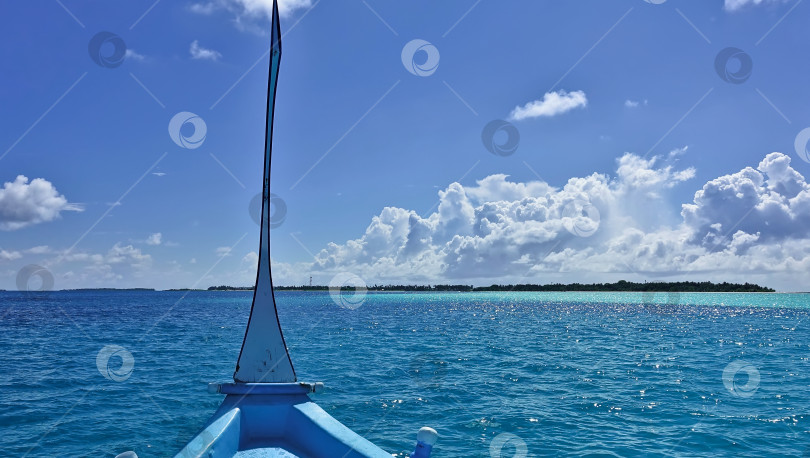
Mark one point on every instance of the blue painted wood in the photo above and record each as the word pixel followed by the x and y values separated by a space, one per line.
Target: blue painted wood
pixel 266 388
pixel 267 423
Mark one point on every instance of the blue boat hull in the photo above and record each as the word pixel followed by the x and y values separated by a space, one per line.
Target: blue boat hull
pixel 259 423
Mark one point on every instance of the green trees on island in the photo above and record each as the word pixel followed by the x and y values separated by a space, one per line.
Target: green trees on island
pixel 619 286
pixel 622 285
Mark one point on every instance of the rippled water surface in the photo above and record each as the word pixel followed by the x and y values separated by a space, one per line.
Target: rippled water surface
pixel 497 374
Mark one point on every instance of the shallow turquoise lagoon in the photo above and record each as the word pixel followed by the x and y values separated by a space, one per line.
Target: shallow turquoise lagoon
pixel 497 374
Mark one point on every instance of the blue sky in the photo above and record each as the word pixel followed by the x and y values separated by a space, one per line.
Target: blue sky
pixel 621 112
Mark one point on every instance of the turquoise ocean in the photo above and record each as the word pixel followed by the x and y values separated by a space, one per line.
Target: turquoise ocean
pixel 97 373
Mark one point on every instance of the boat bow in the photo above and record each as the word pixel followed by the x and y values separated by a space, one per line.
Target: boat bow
pixel 266 412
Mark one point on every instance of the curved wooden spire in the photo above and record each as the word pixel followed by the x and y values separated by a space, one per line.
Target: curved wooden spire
pixel 264 356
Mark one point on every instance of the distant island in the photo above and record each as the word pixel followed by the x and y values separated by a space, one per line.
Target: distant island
pixel 619 286
pixel 232 288
pixel 628 286
pixel 109 289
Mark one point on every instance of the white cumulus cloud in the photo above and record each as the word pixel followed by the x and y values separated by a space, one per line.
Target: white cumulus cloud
pixel 244 9
pixel 748 225
pixel 198 52
pixel 127 254
pixel 285 7
pixel 121 265
pixel 251 259
pixel 155 239
pixel 771 201
pixel 24 204
pixel 552 104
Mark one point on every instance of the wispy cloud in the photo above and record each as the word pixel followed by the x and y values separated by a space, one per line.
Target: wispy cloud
pixel 9 255
pixel 155 239
pixel 119 263
pixel 132 55
pixel 203 8
pixel 198 52
pixel 735 5
pixel 630 103
pixel 552 104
